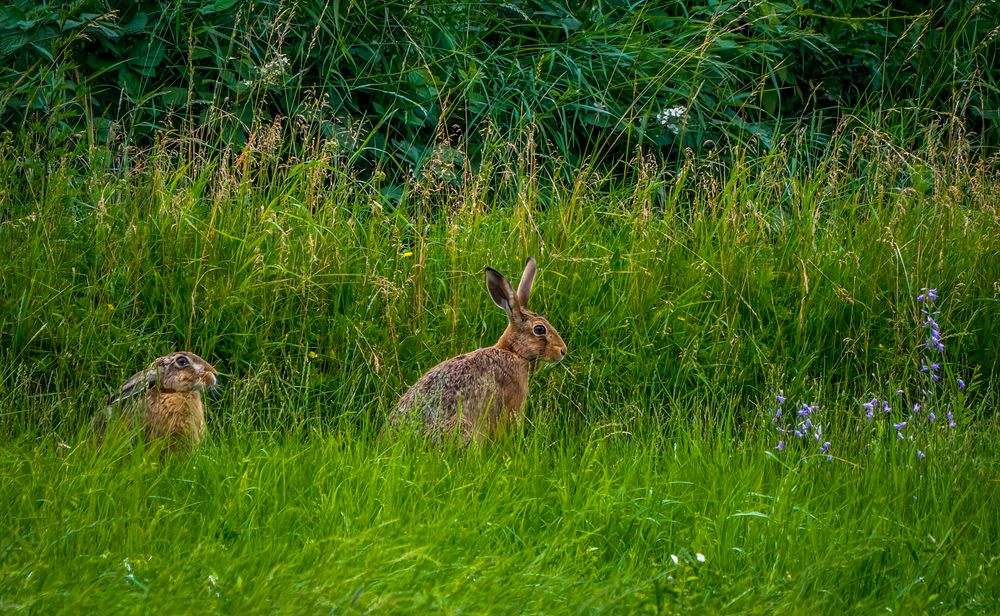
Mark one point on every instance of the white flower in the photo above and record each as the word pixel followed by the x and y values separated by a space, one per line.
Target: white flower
pixel 674 558
pixel 699 557
pixel 672 118
pixel 213 586
pixel 271 73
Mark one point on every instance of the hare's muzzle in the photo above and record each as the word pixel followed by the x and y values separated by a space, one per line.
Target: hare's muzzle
pixel 208 379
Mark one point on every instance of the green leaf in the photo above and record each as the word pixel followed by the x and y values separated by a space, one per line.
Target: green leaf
pixel 137 24
pixel 147 54
pixel 130 83
pixel 174 96
pixel 750 514
pixel 219 6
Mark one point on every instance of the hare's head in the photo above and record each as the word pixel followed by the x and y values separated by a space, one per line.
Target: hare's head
pixel 177 372
pixel 528 334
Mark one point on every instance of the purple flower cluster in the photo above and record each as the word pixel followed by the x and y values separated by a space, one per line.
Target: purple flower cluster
pixel 933 341
pixel 874 402
pixel 931 358
pixel 908 426
pixel 798 428
pixel 803 425
pixel 921 417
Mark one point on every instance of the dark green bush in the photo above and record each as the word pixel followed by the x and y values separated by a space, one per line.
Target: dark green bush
pixel 397 81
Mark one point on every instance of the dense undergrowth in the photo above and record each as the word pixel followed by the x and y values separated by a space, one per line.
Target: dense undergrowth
pixel 400 85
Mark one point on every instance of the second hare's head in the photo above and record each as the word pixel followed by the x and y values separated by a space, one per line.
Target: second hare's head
pixel 178 372
pixel 529 335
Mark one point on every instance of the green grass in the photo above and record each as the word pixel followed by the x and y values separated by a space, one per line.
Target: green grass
pixel 688 296
pixel 544 522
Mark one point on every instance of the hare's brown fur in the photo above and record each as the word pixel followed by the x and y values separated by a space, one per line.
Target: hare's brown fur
pixel 170 409
pixel 178 417
pixel 477 393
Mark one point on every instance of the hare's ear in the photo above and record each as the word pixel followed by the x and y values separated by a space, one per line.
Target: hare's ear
pixel 502 293
pixel 527 278
pixel 139 383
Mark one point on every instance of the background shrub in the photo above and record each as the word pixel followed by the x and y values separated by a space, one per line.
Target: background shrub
pixel 397 84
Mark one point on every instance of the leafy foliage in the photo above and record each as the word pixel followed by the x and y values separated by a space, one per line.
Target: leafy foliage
pixel 410 81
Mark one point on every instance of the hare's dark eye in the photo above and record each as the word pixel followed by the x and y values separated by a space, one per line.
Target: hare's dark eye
pixel 539 330
pixel 183 362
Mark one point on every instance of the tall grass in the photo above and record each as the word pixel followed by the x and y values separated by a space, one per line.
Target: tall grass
pixel 322 300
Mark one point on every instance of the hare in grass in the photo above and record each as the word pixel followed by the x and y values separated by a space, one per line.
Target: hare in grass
pixel 163 401
pixel 474 394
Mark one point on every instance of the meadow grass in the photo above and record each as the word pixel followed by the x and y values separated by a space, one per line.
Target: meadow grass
pixel 689 297
pixel 547 521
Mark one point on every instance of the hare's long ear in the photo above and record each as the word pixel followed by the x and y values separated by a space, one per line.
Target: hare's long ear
pixel 502 294
pixel 139 383
pixel 527 279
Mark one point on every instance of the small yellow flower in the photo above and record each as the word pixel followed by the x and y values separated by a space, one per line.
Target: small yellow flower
pixel 111 307
pixel 313 355
pixel 681 319
pixel 408 253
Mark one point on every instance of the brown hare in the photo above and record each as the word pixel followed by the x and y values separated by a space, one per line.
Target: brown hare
pixel 164 401
pixel 474 394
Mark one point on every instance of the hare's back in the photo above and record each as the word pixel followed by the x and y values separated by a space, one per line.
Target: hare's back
pixel 486 380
